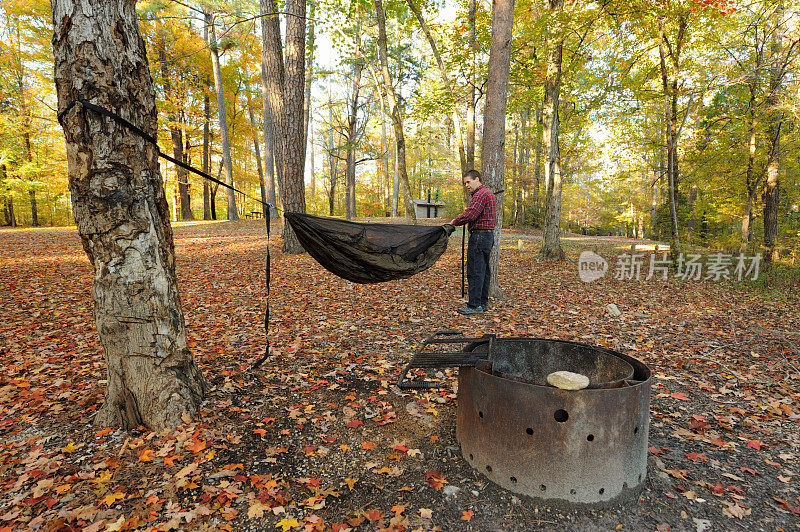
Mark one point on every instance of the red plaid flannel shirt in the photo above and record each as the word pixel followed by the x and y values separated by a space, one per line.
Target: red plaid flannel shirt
pixel 482 211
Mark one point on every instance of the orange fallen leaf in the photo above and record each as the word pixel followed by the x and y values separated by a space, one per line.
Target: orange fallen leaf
pixel 466 515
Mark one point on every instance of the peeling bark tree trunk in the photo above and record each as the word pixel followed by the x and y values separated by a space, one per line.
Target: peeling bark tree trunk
pixel 551 249
pixel 494 122
pixel 122 215
pixel 394 113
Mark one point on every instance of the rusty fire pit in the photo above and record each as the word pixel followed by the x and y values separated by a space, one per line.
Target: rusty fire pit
pixel 585 446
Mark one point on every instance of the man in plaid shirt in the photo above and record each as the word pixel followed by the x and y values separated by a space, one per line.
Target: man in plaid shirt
pixel 480 217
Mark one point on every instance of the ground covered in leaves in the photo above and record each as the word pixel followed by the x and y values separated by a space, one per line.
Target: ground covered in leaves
pixel 319 438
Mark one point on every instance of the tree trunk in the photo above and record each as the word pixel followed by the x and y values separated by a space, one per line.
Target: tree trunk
pixel 775 117
pixel 470 148
pixel 352 120
pixel 494 122
pixel 537 171
pixel 181 174
pixel 551 249
pixel 294 142
pixel 524 154
pixel 309 79
pixel 462 156
pixel 395 113
pixel 223 120
pixel 272 75
pixel 206 158
pixel 206 141
pixel 122 215
pixel 253 125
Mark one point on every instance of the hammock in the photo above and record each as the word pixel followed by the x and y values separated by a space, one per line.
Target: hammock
pixel 370 252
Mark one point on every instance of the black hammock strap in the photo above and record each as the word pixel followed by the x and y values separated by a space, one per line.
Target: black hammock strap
pixel 370 252
pixel 141 133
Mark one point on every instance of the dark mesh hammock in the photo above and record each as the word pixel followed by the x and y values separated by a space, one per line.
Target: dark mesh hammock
pixel 369 252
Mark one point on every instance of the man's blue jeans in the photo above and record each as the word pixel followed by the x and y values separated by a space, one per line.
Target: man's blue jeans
pixel 479 272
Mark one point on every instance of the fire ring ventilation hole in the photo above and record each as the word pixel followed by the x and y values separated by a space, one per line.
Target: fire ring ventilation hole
pixel 561 416
pixel 624 485
pixel 590 437
pixel 529 431
pixel 488 469
pixel 602 490
pixel 480 414
pixel 636 430
pixel 471 457
pixel 513 479
pixel 543 487
pixel 572 492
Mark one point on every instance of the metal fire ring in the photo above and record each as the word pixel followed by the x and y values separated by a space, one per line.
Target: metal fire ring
pixel 576 447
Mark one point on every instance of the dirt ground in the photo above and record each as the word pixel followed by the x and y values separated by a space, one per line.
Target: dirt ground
pixel 320 438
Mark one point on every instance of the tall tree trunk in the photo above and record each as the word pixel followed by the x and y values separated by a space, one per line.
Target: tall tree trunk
pixel 462 156
pixel 470 147
pixel 524 154
pixel 670 90
pixel 206 140
pixel 206 158
pixel 352 122
pixel 223 120
pixel 395 113
pixel 775 117
pixel 294 142
pixel 181 174
pixel 254 126
pixel 122 215
pixel 751 180
pixel 551 249
pixel 494 122
pixel 537 170
pixel 272 73
pixel 310 47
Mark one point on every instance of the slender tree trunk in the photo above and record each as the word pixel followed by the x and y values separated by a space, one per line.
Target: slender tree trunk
pixel 294 142
pixel 181 174
pixel 206 141
pixel 309 79
pixel 462 156
pixel 552 169
pixel 206 158
pixel 470 148
pixel 751 181
pixel 395 113
pixel 775 117
pixel 524 153
pixel 537 170
pixel 256 143
pixel 494 122
pixel 122 216
pixel 223 120
pixel 352 120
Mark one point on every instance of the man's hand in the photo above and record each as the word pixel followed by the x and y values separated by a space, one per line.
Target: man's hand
pixel 449 228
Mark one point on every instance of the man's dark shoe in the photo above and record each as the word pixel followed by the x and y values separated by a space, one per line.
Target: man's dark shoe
pixel 484 308
pixel 467 310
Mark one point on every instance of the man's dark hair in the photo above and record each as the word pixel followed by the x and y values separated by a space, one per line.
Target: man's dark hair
pixel 473 174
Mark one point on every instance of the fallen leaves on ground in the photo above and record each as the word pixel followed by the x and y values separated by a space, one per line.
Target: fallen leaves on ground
pixel 318 438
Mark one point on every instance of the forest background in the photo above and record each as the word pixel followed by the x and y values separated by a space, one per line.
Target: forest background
pixel 697 97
